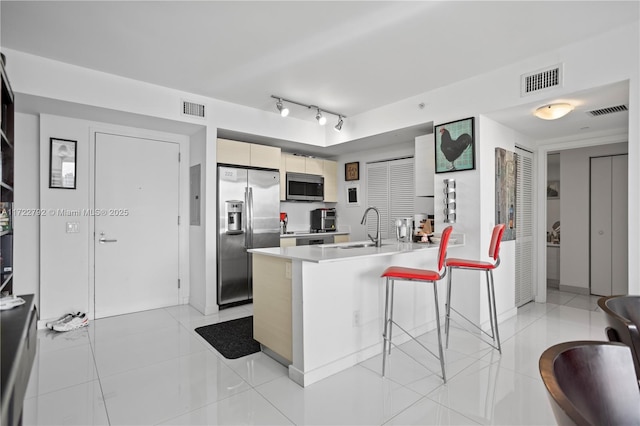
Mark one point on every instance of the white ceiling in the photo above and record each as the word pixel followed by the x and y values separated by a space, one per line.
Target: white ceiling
pixel 348 57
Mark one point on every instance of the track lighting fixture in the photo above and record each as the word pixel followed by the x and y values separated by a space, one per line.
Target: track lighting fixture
pixel 284 111
pixel 322 120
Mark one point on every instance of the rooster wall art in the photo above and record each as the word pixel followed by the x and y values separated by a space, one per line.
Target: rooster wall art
pixel 454 146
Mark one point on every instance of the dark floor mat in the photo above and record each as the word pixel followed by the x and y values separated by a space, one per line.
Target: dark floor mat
pixel 233 339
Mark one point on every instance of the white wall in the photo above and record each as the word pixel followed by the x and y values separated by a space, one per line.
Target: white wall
pixel 66 259
pixel 574 212
pixel 26 247
pixel 197 234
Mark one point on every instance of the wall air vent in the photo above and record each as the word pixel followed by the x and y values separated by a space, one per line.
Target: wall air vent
pixel 536 81
pixel 608 110
pixel 192 109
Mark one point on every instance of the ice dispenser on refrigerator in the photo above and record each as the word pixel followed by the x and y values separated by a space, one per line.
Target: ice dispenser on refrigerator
pixel 234 216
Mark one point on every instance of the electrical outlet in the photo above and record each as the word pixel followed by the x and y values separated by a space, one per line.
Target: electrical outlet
pixel 73 227
pixel 356 319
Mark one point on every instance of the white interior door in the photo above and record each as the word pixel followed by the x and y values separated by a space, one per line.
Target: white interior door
pixel 600 231
pixel 136 224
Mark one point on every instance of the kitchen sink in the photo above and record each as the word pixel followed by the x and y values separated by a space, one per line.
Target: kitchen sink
pixel 358 245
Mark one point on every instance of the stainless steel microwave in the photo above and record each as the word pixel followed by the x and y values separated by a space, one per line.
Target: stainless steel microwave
pixel 305 187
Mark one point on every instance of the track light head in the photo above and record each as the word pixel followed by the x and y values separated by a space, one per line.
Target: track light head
pixel 338 127
pixel 322 120
pixel 284 111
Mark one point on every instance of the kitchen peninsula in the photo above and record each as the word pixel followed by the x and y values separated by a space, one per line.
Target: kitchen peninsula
pixel 319 308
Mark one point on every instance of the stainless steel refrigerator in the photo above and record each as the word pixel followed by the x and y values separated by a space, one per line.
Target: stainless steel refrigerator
pixel 248 217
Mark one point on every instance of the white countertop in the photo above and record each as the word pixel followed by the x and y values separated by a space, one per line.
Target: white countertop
pixel 297 234
pixel 337 252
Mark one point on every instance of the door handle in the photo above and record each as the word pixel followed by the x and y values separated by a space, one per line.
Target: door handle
pixel 103 240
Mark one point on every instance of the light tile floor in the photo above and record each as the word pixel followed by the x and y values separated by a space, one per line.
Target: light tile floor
pixel 152 368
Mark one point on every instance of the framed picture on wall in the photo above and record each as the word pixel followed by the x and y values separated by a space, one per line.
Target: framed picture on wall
pixel 353 194
pixel 352 171
pixel 455 146
pixel 62 163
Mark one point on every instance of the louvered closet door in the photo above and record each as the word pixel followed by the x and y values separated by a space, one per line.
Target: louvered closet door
pixel 524 227
pixel 401 191
pixel 390 188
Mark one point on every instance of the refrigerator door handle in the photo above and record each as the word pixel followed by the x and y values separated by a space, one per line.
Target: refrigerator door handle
pixel 246 219
pixel 250 218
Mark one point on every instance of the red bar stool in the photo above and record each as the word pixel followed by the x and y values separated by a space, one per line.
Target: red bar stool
pixel 394 273
pixel 487 267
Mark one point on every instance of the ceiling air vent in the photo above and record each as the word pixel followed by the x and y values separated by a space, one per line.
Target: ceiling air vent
pixel 540 80
pixel 192 109
pixel 608 110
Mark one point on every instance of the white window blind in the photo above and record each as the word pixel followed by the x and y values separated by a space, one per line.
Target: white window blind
pixel 524 228
pixel 390 188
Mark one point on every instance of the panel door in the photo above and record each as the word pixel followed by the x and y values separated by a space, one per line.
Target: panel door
pixel 600 227
pixel 136 232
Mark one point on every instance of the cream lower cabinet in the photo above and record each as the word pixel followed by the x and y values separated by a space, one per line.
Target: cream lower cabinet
pixel 287 242
pixel 272 304
pixel 247 154
pixel 341 238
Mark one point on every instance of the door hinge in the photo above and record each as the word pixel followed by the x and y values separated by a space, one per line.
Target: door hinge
pixel 179 157
pixel 178 282
pixel 178 220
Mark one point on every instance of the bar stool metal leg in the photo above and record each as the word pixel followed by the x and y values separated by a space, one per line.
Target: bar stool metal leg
pixel 448 308
pixel 491 311
pixel 495 314
pixel 393 289
pixel 435 298
pixel 386 327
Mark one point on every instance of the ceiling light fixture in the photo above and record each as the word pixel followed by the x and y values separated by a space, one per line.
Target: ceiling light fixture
pixel 320 112
pixel 322 120
pixel 553 111
pixel 284 111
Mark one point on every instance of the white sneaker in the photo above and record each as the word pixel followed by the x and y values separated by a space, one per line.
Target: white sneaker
pixel 62 319
pixel 74 323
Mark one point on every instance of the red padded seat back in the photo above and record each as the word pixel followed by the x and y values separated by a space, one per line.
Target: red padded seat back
pixel 444 242
pixel 496 239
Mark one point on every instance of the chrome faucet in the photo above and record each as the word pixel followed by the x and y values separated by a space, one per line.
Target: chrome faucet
pixel 377 239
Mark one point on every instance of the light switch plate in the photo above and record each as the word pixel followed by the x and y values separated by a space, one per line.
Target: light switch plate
pixel 73 227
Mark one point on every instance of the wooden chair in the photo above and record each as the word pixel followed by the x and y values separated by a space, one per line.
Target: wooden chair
pixel 591 383
pixel 623 317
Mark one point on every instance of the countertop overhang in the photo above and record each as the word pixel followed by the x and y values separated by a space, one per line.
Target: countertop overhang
pixel 323 253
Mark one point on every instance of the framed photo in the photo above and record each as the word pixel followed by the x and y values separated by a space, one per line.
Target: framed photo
pixel 62 163
pixel 353 195
pixel 553 189
pixel 455 146
pixel 352 171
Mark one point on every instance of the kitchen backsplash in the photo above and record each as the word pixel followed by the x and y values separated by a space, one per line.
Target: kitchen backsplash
pixel 299 214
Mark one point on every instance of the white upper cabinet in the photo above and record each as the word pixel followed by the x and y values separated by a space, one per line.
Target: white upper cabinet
pixel 247 154
pixel 424 169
